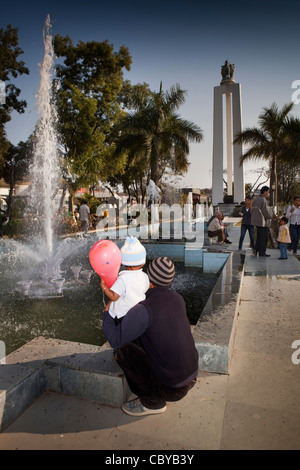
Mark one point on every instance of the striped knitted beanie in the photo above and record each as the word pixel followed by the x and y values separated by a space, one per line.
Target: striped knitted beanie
pixel 161 271
pixel 132 252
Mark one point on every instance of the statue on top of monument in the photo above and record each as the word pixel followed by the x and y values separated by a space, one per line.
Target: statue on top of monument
pixel 227 71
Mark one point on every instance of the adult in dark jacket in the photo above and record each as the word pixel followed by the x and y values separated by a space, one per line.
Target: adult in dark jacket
pixel 260 217
pixel 246 223
pixel 155 346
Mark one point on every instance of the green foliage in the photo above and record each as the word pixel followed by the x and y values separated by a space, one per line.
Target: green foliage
pixel 275 140
pixel 64 222
pixel 10 67
pixel 90 79
pixel 27 225
pixel 17 161
pixel 153 137
pixel 92 201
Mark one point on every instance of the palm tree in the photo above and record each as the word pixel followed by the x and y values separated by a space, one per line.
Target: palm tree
pixel 156 133
pixel 268 141
pixel 291 135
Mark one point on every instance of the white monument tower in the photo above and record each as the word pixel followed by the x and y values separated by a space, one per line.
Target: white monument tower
pixel 233 125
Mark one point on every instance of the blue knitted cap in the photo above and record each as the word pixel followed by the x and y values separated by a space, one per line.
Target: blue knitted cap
pixel 132 252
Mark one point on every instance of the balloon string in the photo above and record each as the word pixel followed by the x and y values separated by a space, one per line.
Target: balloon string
pixel 103 298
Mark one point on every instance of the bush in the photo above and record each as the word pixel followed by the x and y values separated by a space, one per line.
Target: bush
pixel 64 222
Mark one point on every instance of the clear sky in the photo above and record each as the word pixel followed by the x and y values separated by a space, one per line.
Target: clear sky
pixel 172 41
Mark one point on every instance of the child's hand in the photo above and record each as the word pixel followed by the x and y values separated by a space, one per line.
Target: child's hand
pixel 102 284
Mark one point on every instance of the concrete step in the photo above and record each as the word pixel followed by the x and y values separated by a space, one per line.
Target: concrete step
pixel 81 370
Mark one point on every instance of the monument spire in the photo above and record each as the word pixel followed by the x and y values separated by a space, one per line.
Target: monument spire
pixel 232 126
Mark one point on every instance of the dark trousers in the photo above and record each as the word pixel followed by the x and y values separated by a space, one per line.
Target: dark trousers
pixel 244 229
pixel 261 240
pixel 217 233
pixel 295 235
pixel 154 395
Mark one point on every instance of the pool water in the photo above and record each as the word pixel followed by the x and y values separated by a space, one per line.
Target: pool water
pixel 76 315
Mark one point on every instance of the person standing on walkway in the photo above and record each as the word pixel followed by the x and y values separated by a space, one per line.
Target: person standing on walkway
pixel 84 212
pixel 260 218
pixel 163 366
pixel 246 223
pixel 283 237
pixel 293 214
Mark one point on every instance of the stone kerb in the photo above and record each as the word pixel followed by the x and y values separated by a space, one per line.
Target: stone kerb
pixel 214 332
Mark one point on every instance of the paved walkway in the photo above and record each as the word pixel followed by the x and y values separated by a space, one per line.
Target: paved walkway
pixel 257 406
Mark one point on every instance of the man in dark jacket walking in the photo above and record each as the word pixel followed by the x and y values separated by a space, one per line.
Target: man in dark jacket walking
pixel 260 218
pixel 246 223
pixel 155 346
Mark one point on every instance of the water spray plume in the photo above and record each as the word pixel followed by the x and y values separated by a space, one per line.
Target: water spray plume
pixel 45 167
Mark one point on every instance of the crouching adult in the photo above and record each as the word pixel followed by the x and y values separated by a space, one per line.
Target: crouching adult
pixel 154 345
pixel 216 228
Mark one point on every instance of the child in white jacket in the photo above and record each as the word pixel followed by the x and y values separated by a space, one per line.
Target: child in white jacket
pixel 132 283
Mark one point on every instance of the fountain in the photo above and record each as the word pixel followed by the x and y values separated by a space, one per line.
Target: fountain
pixel 87 274
pixel 76 270
pixel 45 170
pixel 45 176
pixel 58 284
pixel 24 286
pixel 39 295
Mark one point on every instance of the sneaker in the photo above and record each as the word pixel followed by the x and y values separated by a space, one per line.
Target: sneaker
pixel 228 241
pixel 135 408
pixel 264 256
pixel 282 258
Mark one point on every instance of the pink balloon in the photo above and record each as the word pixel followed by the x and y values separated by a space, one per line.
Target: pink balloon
pixel 105 259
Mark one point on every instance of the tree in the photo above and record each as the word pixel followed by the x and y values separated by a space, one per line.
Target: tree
pixel 10 67
pixel 87 86
pixel 268 141
pixel 155 135
pixel 289 162
pixel 15 168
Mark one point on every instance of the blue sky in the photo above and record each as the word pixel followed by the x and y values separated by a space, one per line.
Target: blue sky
pixel 173 41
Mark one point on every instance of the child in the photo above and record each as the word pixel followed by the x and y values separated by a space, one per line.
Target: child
pixel 131 284
pixel 283 237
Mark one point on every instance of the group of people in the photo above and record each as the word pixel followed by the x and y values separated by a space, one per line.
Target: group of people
pixel 147 325
pixel 258 214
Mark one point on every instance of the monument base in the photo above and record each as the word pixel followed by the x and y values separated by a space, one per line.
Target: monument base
pixel 226 209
